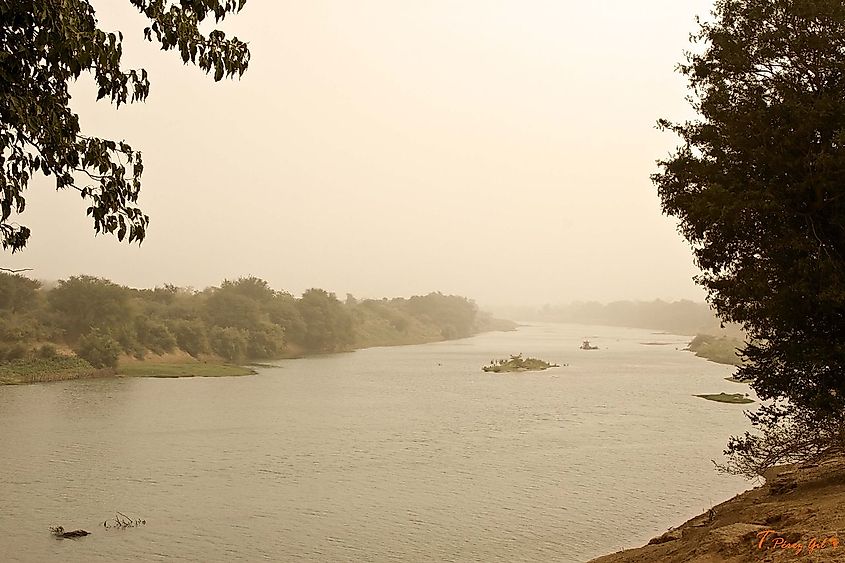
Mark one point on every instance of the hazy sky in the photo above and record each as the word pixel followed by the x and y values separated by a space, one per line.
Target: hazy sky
pixel 495 149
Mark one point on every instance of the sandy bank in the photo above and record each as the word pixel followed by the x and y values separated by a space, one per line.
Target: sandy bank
pixel 798 515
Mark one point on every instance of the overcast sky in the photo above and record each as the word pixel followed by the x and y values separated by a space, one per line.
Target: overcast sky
pixel 495 149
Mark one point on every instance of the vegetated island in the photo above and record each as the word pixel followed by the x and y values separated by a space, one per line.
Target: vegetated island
pixel 516 364
pixel 85 327
pixel 719 349
pixel 799 505
pixel 733 398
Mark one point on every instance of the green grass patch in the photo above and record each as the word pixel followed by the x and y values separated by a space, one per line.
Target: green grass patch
pixel 517 363
pixel 719 349
pixel 733 379
pixel 36 370
pixel 183 369
pixel 733 398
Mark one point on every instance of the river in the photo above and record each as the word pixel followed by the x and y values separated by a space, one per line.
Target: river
pixel 409 453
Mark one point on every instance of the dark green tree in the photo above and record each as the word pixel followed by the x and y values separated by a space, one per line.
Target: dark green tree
pixel 45 45
pixel 17 292
pixel 83 303
pixel 328 325
pixel 99 349
pixel 758 186
pixel 191 336
pixel 246 304
pixel 230 343
pixel 454 314
pixel 154 335
pixel 284 311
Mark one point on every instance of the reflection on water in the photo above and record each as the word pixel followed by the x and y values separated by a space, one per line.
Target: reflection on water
pixel 387 454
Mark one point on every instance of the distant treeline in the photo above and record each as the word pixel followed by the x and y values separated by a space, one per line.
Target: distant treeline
pixel 241 320
pixel 678 317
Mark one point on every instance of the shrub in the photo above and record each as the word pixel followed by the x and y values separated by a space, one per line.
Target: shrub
pixel 229 343
pixel 191 337
pixel 47 352
pixel 154 335
pixel 15 351
pixel 266 341
pixel 784 434
pixel 99 349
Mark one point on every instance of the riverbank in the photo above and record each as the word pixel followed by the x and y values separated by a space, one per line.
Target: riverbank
pixel 795 516
pixel 40 370
pixel 64 368
pixel 192 369
pixel 178 364
pixel 718 349
pixel 372 423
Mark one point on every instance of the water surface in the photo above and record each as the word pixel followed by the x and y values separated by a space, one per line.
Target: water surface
pixel 386 454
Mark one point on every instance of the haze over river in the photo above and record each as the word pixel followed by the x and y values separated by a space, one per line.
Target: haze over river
pixel 387 454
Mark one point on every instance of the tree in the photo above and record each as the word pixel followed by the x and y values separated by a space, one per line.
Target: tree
pixel 284 311
pixel 191 336
pixel 17 292
pixel 99 349
pixel 85 303
pixel 230 343
pixel 46 44
pixel 454 315
pixel 328 325
pixel 758 185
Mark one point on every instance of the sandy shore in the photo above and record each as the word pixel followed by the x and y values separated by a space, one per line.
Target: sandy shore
pixel 798 515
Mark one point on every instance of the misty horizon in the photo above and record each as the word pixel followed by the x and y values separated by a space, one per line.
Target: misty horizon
pixel 380 150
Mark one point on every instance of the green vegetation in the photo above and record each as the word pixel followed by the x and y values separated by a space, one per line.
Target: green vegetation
pixel 756 185
pixel 54 44
pixel 36 369
pixel 192 369
pixel 719 349
pixel 241 321
pixel 733 398
pixel 517 363
pixel 734 379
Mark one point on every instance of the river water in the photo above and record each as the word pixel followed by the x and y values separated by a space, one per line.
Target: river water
pixel 386 454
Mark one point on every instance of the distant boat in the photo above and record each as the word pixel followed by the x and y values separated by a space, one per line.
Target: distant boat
pixel 587 346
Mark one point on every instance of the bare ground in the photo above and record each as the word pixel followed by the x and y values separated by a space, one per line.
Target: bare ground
pixel 798 515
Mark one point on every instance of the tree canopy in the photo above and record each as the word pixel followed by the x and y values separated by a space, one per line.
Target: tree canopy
pixel 47 44
pixel 241 319
pixel 758 185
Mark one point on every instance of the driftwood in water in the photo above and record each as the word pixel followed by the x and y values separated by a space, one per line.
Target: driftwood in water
pixel 121 520
pixel 59 532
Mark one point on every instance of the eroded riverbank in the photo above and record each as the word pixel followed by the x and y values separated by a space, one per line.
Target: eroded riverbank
pixel 795 516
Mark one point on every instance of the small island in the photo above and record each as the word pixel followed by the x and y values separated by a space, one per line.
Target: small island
pixel 733 398
pixel 518 363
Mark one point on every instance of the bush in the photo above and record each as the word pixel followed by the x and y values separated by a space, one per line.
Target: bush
pixel 230 343
pixel 266 341
pixel 784 434
pixel 99 349
pixel 154 335
pixel 191 337
pixel 10 352
pixel 47 352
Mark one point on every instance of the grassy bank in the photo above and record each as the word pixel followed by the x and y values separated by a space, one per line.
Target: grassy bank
pixel 66 367
pixel 183 369
pixel 38 370
pixel 732 398
pixel 719 349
